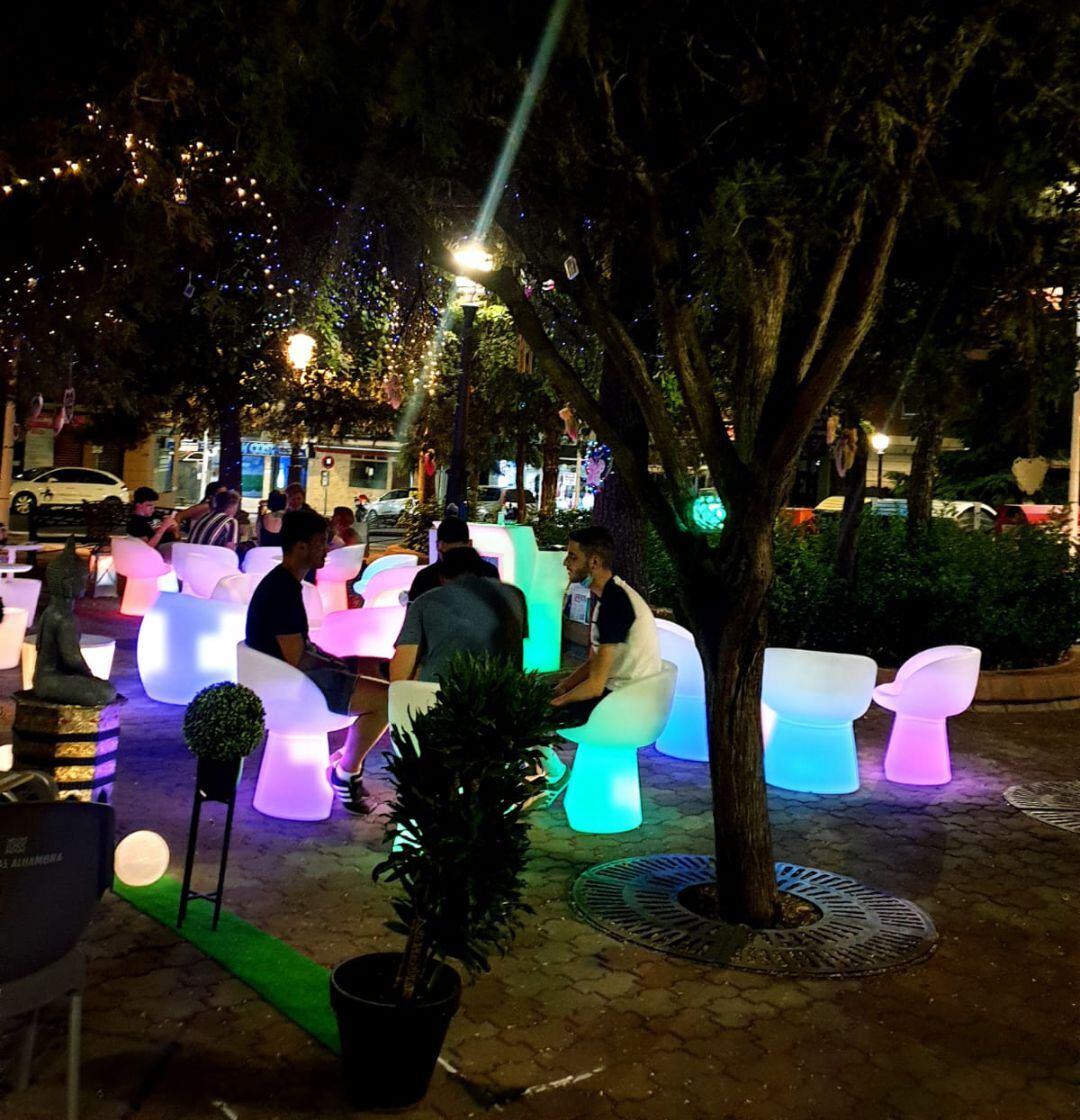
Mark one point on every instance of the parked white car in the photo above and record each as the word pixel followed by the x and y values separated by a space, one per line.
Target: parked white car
pixel 63 486
pixel 387 509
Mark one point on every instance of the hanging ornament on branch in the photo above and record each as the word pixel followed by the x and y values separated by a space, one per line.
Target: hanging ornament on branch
pixel 847 443
pixel 37 403
pixel 570 423
pixel 597 466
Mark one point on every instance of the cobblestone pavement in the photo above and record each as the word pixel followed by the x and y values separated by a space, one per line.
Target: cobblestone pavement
pixel 987 1027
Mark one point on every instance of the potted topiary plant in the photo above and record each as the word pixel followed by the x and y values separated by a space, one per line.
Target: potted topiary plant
pixel 461 780
pixel 222 726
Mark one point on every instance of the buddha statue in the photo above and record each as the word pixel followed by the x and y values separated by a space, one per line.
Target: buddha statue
pixel 61 676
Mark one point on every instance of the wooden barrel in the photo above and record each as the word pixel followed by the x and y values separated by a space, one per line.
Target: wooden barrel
pixel 76 746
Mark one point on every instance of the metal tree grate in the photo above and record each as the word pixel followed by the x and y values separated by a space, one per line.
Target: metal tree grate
pixel 861 930
pixel 1054 803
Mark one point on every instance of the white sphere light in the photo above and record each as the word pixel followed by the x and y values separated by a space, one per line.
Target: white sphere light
pixel 141 858
pixel 879 441
pixel 301 350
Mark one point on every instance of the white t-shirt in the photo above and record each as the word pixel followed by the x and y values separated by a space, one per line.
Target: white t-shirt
pixel 621 618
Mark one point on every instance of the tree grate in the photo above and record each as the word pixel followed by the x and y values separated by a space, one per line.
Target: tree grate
pixel 1053 803
pixel 861 930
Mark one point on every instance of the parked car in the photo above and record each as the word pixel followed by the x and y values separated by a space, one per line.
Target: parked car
pixel 1011 516
pixel 967 514
pixel 490 499
pixel 63 486
pixel 387 509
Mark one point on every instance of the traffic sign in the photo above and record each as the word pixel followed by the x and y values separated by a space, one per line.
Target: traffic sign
pixel 324 478
pixel 327 461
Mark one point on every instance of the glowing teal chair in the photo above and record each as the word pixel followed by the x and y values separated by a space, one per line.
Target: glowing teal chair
pixel 604 794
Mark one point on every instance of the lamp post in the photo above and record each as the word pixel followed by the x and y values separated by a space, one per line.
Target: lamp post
pixel 301 349
pixel 879 441
pixel 473 257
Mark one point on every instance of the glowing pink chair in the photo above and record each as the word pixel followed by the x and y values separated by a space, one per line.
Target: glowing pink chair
pixel 341 568
pixel 261 560
pixel 236 587
pixel 370 632
pixel 929 687
pixel 386 588
pixel 292 783
pixel 200 566
pixel 146 572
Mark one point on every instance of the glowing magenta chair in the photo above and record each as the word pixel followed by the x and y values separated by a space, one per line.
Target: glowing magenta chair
pixel 929 687
pixel 292 783
pixel 370 632
pixel 200 566
pixel 186 644
pixel 385 588
pixel 340 569
pixel 385 564
pixel 146 572
pixel 816 697
pixel 686 735
pixel 604 794
pixel 261 560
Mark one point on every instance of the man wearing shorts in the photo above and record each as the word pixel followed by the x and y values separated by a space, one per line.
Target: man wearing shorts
pixel 277 626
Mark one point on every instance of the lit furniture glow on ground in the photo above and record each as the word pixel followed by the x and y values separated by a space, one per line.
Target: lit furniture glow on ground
pixel 370 632
pixel 292 783
pixel 200 566
pixel 96 649
pixel 686 735
pixel 929 687
pixel 186 644
pixel 816 697
pixel 333 578
pixel 261 560
pixel 604 794
pixel 12 633
pixel 146 572
pixel 385 564
pixel 23 593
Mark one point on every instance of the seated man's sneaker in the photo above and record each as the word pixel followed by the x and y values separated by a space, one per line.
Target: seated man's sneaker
pixel 550 792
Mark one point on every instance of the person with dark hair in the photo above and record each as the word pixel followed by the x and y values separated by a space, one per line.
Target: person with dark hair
pixel 220 526
pixel 341 528
pixel 296 498
pixel 624 645
pixel 468 613
pixel 141 522
pixel 277 626
pixel 268 529
pixel 201 509
pixel 451 536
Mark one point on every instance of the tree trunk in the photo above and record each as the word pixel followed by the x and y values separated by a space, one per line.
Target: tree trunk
pixel 229 457
pixel 730 630
pixel 920 487
pixel 296 470
pixel 851 518
pixel 549 479
pixel 615 507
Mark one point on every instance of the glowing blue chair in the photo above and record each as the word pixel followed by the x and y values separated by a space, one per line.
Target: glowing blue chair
pixel 604 794
pixel 816 696
pixel 383 564
pixel 686 735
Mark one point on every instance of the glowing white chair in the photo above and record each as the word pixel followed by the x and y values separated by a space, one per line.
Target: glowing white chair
pixel 261 560
pixel 686 735
pixel 384 564
pixel 604 794
pixel 370 632
pixel 12 633
pixel 237 587
pixel 929 687
pixel 293 783
pixel 333 578
pixel 23 593
pixel 146 572
pixel 816 696
pixel 313 606
pixel 386 587
pixel 200 566
pixel 186 644
pixel 407 699
pixel 96 649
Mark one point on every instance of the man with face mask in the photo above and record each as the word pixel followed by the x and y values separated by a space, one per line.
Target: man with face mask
pixel 623 646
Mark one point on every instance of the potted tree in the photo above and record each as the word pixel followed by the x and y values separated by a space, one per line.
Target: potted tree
pixel 222 726
pixel 461 781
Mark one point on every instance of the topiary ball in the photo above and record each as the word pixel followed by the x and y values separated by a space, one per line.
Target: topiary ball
pixel 224 722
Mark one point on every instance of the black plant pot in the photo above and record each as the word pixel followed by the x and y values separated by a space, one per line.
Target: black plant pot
pixel 388 1050
pixel 217 779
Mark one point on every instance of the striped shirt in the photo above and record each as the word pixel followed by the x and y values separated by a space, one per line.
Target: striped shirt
pixel 215 528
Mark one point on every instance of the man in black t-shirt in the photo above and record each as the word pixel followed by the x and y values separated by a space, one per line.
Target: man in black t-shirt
pixel 277 626
pixel 453 533
pixel 141 522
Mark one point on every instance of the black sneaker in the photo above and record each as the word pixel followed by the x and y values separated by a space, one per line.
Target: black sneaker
pixel 342 787
pixel 359 802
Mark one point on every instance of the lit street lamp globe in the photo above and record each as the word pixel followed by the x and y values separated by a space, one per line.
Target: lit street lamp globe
pixel 879 441
pixel 301 350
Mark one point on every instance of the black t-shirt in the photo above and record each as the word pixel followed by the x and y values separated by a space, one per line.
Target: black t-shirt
pixel 140 526
pixel 427 579
pixel 277 607
pixel 613 617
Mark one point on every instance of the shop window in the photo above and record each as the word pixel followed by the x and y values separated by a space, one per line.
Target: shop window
pixel 368 474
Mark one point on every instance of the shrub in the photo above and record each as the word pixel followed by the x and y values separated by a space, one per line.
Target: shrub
pixel 224 722
pixel 552 529
pixel 1016 596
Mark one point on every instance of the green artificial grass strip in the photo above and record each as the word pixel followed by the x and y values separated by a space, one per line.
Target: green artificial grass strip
pixel 298 987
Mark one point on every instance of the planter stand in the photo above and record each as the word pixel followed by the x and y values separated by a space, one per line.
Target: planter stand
pixel 214 781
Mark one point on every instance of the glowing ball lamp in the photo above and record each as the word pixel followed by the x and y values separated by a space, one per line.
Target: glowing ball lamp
pixel 816 696
pixel 141 858
pixel 604 794
pixel 708 513
pixel 929 687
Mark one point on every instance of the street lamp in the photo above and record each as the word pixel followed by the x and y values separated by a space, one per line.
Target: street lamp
pixel 301 350
pixel 879 441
